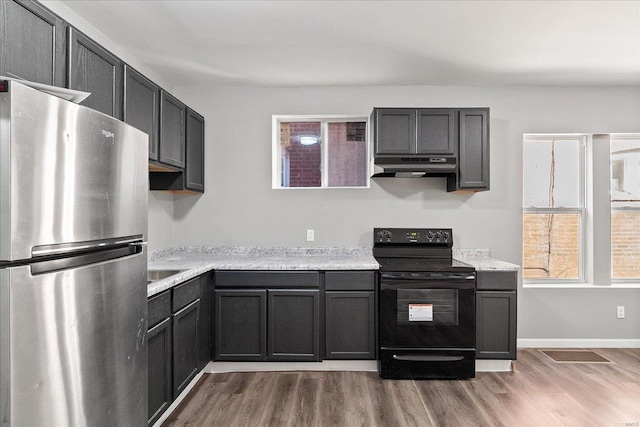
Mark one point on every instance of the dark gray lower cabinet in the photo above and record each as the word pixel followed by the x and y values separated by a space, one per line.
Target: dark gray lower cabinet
pixel 205 329
pixel 350 325
pixel 293 322
pixel 496 325
pixel 350 315
pixel 185 346
pixel 159 346
pixel 241 324
pixel 159 374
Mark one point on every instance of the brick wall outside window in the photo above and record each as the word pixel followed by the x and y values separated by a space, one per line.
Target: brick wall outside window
pixel 347 157
pixel 551 245
pixel 305 160
pixel 625 245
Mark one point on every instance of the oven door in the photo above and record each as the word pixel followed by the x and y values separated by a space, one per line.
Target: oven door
pixel 427 310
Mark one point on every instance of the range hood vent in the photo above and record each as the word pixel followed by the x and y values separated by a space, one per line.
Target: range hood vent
pixel 413 167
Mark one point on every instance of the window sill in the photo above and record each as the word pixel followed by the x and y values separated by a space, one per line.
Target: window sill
pixel 580 286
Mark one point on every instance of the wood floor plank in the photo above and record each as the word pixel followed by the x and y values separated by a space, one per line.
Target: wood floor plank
pixel 540 392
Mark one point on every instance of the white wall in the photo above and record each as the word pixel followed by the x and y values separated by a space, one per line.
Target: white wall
pixel 240 208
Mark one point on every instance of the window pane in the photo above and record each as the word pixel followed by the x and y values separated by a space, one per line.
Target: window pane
pixel 347 154
pixel 625 172
pixel 552 173
pixel 301 154
pixel 551 245
pixel 625 244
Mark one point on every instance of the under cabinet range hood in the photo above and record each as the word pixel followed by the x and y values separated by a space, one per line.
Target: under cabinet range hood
pixel 413 167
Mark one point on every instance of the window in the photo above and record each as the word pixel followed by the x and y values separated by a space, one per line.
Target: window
pixel 553 208
pixel 320 152
pixel 625 207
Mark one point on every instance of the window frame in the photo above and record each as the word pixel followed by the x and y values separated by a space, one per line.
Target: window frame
pixel 582 210
pixel 631 280
pixel 324 120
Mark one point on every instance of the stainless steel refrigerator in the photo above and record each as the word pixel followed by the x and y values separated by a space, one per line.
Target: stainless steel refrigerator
pixel 73 264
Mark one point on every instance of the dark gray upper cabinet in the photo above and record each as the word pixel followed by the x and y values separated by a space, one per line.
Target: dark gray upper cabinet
pixel 91 68
pixel 436 131
pixel 194 168
pixel 496 309
pixel 410 131
pixel 172 130
pixel 474 150
pixel 32 46
pixel 142 106
pixel 293 322
pixel 395 130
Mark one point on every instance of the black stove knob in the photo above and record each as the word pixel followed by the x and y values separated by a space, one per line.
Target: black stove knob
pixel 439 234
pixel 430 235
pixel 384 234
pixel 446 234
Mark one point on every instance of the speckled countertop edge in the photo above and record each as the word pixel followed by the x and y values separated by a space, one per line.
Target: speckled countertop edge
pixel 196 260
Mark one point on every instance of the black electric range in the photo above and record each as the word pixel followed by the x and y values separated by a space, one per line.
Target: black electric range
pixel 426 316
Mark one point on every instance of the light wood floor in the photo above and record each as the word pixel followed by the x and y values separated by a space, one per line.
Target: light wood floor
pixel 540 392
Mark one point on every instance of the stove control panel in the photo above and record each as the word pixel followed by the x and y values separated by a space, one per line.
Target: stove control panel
pixel 413 236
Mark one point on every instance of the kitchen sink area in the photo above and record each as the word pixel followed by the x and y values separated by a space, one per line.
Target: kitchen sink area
pixel 155 275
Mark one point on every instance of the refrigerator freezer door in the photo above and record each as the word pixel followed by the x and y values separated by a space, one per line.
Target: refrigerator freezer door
pixel 73 345
pixel 67 174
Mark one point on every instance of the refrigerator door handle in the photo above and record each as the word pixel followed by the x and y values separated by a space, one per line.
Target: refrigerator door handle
pixel 65 249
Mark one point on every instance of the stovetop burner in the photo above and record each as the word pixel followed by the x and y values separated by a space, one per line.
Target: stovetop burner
pixel 423 264
pixel 416 249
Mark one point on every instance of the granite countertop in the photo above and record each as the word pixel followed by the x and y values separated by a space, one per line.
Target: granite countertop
pixel 196 260
pixel 481 260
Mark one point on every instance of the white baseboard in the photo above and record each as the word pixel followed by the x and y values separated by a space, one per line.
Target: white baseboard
pixel 577 343
pixel 327 365
pixel 484 365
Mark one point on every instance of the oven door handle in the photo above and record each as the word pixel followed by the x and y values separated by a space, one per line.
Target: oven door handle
pixel 427 358
pixel 428 277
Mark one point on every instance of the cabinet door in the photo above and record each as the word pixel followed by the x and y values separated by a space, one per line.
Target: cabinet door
pixel 240 325
pixel 205 331
pixel 159 374
pixel 436 131
pixel 194 168
pixel 172 136
pixel 474 149
pixel 185 346
pixel 350 325
pixel 294 322
pixel 395 131
pixel 495 325
pixel 91 68
pixel 32 43
pixel 141 106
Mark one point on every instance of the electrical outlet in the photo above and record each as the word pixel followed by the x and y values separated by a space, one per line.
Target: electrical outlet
pixel 310 235
pixel 620 310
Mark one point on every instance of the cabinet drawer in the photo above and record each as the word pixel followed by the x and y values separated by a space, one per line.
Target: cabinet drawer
pixel 159 307
pixel 186 293
pixel 497 280
pixel 267 279
pixel 349 280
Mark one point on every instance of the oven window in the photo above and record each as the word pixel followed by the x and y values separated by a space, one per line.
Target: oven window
pixel 427 306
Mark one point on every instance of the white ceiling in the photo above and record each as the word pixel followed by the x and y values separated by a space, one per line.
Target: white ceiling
pixel 334 43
